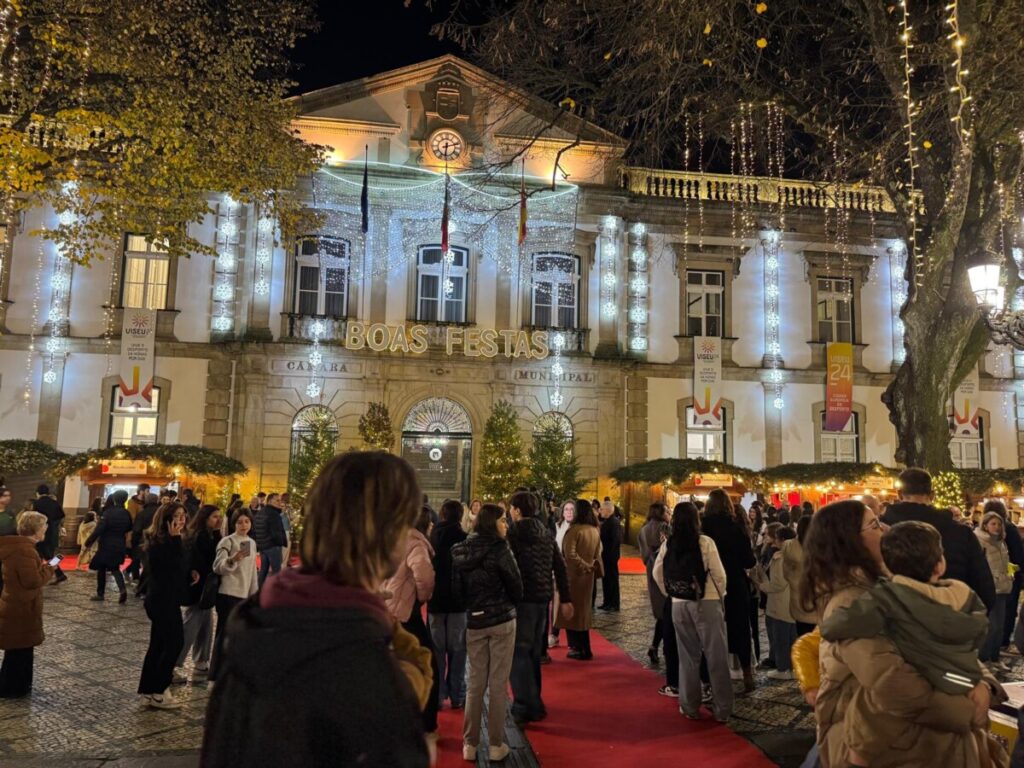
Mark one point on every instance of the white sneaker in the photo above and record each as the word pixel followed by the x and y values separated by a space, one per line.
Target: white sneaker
pixel 469 753
pixel 163 701
pixel 552 641
pixel 200 673
pixel 498 753
pixel 178 678
pixel 775 674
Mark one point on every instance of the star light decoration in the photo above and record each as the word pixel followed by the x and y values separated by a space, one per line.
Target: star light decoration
pixel 771 247
pixel 226 264
pixel 405 207
pixel 638 289
pixel 264 254
pixel 609 250
pixel 316 359
pixel 556 398
pixel 60 298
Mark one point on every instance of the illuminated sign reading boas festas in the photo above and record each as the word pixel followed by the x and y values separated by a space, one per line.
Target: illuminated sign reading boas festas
pixel 470 342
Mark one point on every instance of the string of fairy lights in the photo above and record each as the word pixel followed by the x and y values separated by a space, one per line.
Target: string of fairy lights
pixel 920 263
pixel 638 289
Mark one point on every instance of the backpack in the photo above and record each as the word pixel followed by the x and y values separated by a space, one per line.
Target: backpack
pixel 685 575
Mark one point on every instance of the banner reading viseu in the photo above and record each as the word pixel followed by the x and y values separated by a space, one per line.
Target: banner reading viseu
pixel 137 358
pixel 965 406
pixel 838 386
pixel 707 381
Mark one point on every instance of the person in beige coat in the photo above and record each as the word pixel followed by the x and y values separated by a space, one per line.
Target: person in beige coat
pixel 581 548
pixel 781 627
pixel 865 681
pixel 793 571
pixel 991 535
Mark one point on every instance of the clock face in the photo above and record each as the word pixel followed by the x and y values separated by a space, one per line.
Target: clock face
pixel 446 145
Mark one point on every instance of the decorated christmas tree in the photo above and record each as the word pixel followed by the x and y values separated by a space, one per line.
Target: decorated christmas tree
pixel 948 490
pixel 554 469
pixel 502 467
pixel 375 427
pixel 317 444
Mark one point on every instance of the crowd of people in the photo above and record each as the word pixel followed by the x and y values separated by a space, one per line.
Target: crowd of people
pixel 893 617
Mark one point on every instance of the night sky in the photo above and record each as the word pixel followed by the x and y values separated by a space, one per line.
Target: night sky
pixel 360 39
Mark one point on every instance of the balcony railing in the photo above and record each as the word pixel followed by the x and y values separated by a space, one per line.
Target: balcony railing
pixel 716 187
pixel 301 327
pixel 575 338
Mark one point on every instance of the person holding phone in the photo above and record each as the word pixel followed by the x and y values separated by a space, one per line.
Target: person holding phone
pixel 235 563
pixel 21 604
pixel 168 581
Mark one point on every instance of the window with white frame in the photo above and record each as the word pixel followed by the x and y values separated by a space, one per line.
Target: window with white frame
pixel 441 284
pixel 835 309
pixel 134 425
pixel 146 271
pixel 703 442
pixel 556 284
pixel 969 452
pixel 841 445
pixel 705 302
pixel 321 276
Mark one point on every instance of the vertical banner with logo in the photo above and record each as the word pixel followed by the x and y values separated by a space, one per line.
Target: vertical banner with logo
pixel 136 376
pixel 965 406
pixel 838 385
pixel 707 381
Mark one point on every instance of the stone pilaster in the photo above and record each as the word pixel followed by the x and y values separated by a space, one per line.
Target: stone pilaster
pixel 772 427
pixel 609 282
pixel 257 277
pixel 217 409
pixel 636 419
pixel 50 396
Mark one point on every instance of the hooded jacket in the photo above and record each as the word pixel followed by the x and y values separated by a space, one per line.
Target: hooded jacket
pixel 486 579
pixel 446 534
pixel 413 582
pixel 964 559
pixel 538 557
pixel 937 628
pixel 318 658
pixel 110 533
pixel 996 553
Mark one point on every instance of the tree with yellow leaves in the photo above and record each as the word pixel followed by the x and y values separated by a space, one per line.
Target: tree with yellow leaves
pixel 129 113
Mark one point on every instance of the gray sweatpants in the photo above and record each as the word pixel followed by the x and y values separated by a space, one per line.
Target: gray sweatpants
pixel 490 661
pixel 198 629
pixel 700 627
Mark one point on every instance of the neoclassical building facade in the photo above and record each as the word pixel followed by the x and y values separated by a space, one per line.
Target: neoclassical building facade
pixel 590 319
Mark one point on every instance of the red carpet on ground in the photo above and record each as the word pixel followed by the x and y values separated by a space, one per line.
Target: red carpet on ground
pixel 606 713
pixel 631 565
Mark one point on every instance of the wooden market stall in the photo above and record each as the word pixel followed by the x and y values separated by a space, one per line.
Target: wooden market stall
pixel 792 484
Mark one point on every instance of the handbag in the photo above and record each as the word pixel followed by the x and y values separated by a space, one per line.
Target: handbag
pixel 210 589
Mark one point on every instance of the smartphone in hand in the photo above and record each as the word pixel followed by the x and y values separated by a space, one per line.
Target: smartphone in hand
pixel 245 549
pixel 55 560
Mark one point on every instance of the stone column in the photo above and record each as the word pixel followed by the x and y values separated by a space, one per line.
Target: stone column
pixel 217 411
pixel 636 419
pixel 248 418
pixel 609 282
pixel 772 427
pixel 257 279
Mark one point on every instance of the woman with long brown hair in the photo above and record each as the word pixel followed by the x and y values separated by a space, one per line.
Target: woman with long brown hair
pixel 316 651
pixel 581 548
pixel 166 590
pixel 864 679
pixel 201 538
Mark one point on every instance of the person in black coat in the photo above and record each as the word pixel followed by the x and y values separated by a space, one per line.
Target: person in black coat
pixel 167 588
pixel 485 576
pixel 737 557
pixel 201 539
pixel 541 567
pixel 447 615
pixel 611 549
pixel 110 532
pixel 965 559
pixel 143 519
pixel 269 534
pixel 49 506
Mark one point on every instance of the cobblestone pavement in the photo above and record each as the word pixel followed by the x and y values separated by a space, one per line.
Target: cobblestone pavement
pixel 84 712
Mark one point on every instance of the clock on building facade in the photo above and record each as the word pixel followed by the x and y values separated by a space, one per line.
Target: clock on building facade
pixel 447 145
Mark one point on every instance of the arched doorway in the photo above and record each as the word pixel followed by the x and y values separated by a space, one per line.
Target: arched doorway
pixel 437 439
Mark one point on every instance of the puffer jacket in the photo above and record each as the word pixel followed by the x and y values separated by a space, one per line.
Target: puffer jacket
pixel 793 571
pixel 538 557
pixel 777 589
pixel 997 554
pixel 486 579
pixel 873 702
pixel 414 579
pixel 268 528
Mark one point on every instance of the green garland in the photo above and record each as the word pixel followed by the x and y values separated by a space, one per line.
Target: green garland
pixel 19 457
pixel 192 458
pixel 981 482
pixel 678 471
pixel 852 473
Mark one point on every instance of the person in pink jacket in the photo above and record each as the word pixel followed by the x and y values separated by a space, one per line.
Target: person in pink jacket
pixel 405 593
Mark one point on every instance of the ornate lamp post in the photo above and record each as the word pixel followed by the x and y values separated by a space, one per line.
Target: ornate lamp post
pixel 1006 325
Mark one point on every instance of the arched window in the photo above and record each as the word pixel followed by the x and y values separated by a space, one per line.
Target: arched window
pixel 556 284
pixel 842 444
pixel 313 427
pixel 967 449
pixel 437 415
pixel 556 420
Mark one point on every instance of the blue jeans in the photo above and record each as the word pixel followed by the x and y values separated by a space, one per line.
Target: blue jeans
pixel 448 631
pixel 531 642
pixel 812 760
pixel 783 635
pixel 996 620
pixel 270 561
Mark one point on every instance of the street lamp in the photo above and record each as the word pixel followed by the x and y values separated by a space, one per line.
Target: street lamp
pixel 1007 326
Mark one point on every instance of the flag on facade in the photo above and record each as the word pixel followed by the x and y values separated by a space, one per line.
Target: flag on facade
pixel 364 198
pixel 444 217
pixel 522 206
